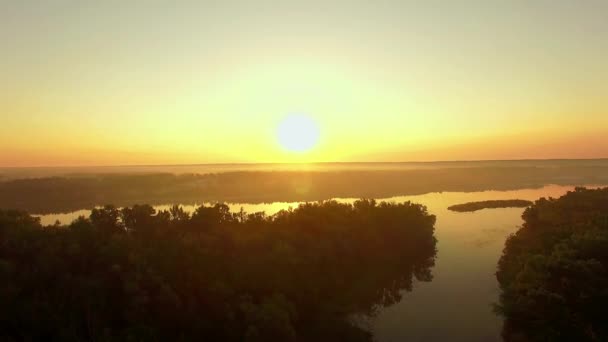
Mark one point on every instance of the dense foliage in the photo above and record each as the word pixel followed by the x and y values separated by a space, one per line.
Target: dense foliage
pixel 134 274
pixel 474 206
pixel 554 271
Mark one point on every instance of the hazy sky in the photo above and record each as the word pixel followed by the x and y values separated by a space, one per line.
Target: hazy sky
pixel 132 82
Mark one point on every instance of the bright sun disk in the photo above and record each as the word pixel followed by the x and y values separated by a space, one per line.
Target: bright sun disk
pixel 298 133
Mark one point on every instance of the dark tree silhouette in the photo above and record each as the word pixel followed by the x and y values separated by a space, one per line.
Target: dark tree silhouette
pixel 474 206
pixel 135 274
pixel 554 271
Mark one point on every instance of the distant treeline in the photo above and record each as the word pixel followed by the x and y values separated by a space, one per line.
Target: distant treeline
pixel 135 274
pixel 554 271
pixel 474 206
pixel 66 194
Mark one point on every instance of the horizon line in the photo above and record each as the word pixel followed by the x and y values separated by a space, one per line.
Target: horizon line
pixel 310 163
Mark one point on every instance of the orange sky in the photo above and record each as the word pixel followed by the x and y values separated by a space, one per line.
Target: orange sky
pixel 106 83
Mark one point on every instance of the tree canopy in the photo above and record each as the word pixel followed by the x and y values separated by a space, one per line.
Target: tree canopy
pixel 553 273
pixel 135 274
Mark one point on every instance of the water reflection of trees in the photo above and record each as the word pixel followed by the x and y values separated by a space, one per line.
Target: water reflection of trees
pixel 54 195
pixel 137 274
pixel 553 272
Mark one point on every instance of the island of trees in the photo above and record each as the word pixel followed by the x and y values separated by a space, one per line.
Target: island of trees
pixel 134 274
pixel 474 206
pixel 553 273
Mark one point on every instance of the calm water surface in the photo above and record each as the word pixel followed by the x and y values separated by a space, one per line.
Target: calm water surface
pixel 457 304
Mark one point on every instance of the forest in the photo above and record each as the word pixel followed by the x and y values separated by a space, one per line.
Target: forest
pixel 553 273
pixel 135 274
pixel 74 192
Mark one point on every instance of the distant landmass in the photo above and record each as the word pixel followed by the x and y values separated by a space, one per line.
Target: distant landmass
pixel 45 195
pixel 474 206
pixel 39 172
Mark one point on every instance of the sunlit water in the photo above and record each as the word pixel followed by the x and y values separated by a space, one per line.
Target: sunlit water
pixel 457 304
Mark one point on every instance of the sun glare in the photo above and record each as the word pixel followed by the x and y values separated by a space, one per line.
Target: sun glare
pixel 298 133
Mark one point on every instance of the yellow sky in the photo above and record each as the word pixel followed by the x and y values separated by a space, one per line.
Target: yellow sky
pixel 156 82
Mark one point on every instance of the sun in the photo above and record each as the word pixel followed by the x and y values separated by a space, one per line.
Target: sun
pixel 298 133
